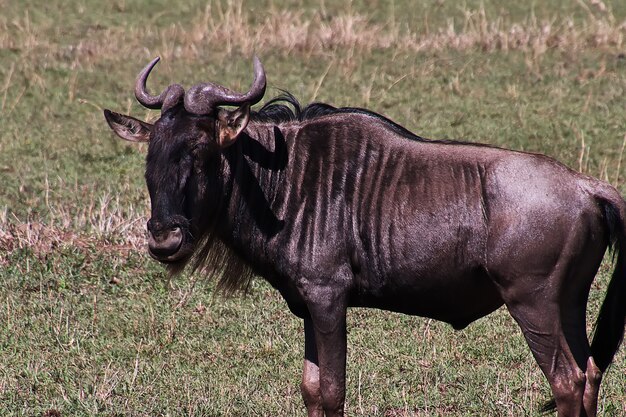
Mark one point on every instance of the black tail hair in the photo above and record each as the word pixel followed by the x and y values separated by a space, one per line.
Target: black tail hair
pixel 609 328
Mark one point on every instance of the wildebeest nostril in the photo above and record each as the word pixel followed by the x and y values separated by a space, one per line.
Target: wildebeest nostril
pixel 161 231
pixel 165 243
pixel 154 227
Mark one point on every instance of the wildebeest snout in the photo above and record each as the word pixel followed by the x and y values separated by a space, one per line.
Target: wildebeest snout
pixel 164 242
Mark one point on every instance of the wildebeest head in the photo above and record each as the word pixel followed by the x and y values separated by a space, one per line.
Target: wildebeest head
pixel 183 146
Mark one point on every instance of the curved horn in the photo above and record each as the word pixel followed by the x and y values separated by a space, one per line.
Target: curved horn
pixel 203 98
pixel 164 101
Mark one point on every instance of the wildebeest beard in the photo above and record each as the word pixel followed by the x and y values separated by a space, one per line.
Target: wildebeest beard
pixel 214 258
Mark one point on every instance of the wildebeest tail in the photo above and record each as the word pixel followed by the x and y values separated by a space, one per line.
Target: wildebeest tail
pixel 609 328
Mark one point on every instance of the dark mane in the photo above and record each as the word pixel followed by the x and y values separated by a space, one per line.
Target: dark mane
pixel 286 108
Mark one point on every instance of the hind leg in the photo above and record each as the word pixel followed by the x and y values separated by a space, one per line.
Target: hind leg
pixel 552 349
pixel 592 388
pixel 576 337
pixel 545 284
pixel 573 303
pixel 552 318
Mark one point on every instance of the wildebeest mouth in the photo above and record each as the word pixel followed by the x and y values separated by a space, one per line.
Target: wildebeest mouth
pixel 170 246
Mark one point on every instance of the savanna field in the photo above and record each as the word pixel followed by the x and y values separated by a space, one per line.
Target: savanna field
pixel 90 325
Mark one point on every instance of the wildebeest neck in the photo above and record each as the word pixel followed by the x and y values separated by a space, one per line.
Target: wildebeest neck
pixel 255 177
pixel 241 195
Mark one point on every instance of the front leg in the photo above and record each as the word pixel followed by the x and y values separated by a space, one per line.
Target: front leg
pixel 327 307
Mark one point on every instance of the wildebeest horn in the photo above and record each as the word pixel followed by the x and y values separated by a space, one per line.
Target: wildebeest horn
pixel 164 101
pixel 203 98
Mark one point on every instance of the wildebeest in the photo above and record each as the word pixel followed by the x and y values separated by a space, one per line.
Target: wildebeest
pixel 341 207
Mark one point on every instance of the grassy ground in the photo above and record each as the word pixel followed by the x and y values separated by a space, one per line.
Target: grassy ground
pixel 90 326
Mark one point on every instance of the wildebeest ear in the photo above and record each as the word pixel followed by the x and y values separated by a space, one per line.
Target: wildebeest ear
pixel 127 127
pixel 231 124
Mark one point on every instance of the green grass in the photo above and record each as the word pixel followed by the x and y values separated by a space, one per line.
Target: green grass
pixel 89 325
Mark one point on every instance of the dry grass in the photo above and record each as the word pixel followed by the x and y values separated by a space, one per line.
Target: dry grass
pixel 292 31
pixel 43 239
pixel 103 216
pixel 233 27
pixel 102 223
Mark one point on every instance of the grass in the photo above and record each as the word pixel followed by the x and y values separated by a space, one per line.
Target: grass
pixel 89 325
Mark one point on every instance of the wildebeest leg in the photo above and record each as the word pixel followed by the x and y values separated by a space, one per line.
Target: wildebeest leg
pixel 544 334
pixel 327 307
pixel 592 388
pixel 546 289
pixel 310 386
